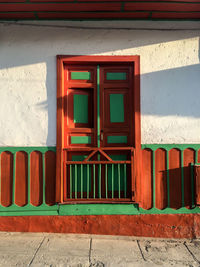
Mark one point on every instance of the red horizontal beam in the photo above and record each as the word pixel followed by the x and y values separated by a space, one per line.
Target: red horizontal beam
pixel 98 9
pixel 60 7
pixel 94 15
pixel 97 162
pixel 175 15
pixel 161 7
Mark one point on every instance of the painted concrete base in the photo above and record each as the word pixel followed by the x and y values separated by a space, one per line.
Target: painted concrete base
pixel 26 249
pixel 166 226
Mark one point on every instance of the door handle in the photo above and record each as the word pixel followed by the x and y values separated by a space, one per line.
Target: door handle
pixel 101 135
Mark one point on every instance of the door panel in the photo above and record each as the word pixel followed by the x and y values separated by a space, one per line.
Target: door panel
pixel 80 112
pixel 116 106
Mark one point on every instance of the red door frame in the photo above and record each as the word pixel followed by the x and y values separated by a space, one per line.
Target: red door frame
pixel 65 60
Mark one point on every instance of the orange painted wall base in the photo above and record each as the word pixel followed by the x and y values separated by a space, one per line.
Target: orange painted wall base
pixel 166 226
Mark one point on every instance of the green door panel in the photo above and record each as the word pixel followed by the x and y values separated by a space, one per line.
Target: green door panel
pixel 80 108
pixel 116 108
pixel 80 75
pixel 117 139
pixel 116 76
pixel 80 139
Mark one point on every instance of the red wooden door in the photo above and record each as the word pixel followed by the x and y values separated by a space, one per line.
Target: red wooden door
pixel 116 106
pixel 98 128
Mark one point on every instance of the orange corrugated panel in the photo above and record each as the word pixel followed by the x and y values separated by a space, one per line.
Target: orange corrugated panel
pixel 146 179
pixel 6 178
pixel 36 177
pixel 161 178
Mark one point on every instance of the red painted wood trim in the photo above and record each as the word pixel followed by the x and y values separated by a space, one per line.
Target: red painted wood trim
pixel 137 129
pixel 21 178
pixel 98 59
pixel 60 128
pixel 163 226
pixel 6 178
pixel 73 59
pixel 197 180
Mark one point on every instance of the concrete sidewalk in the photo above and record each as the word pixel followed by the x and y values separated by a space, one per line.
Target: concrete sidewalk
pixel 37 249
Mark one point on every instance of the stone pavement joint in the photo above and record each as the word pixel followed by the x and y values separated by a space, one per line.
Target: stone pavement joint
pixel 90 251
pixel 192 254
pixel 138 243
pixel 36 251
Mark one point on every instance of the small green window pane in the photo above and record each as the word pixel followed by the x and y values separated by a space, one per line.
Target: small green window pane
pixel 80 108
pixel 116 108
pixel 80 75
pixel 78 157
pixel 116 76
pixel 80 139
pixel 117 139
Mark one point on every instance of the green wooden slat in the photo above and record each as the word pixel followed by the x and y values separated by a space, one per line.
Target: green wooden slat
pixel 117 76
pixel 170 146
pixel 112 180
pixel 80 108
pixel 14 182
pixel 125 178
pixel 94 181
pixel 71 181
pixel 75 180
pixel 81 180
pixel 106 179
pixel 44 179
pixel 88 179
pixel 117 139
pixel 119 189
pixel 99 180
pixel 116 108
pixel 80 139
pixel 28 149
pixel 80 75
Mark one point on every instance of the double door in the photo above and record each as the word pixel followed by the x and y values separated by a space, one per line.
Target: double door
pixel 98 132
pixel 98 106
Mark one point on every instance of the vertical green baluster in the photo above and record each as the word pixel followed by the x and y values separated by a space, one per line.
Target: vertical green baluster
pixel 106 179
pixel 182 180
pixel 112 180
pixel 94 181
pixel 154 180
pixel 119 187
pixel 44 178
pixel 125 187
pixel 75 181
pixel 14 169
pixel 99 180
pixel 70 181
pixel 168 193
pixel 29 182
pixel 81 180
pixel 88 179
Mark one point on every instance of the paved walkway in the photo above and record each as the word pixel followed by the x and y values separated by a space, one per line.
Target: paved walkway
pixel 36 249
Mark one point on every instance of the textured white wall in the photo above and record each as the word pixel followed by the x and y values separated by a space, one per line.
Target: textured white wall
pixel 170 77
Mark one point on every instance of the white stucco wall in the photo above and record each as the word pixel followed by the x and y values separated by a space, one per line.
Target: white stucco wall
pixel 170 77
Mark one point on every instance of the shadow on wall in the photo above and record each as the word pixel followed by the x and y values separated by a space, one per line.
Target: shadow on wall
pixel 36 45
